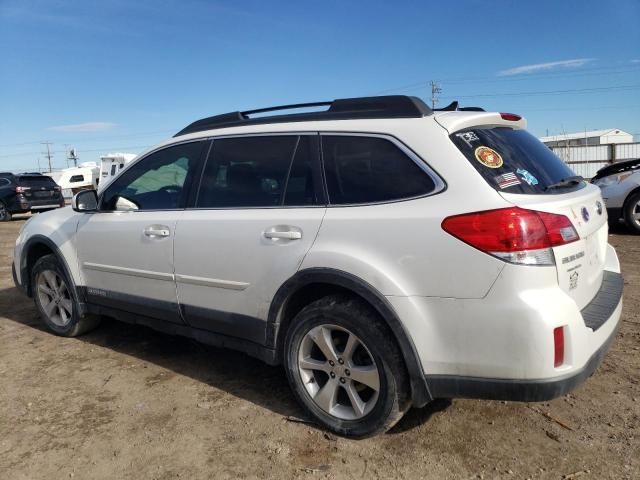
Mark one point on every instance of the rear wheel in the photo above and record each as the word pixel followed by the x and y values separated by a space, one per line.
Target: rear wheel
pixel 55 300
pixel 632 213
pixel 345 368
pixel 5 215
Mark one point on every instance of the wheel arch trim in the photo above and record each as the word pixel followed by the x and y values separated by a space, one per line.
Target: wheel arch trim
pixel 25 274
pixel 275 332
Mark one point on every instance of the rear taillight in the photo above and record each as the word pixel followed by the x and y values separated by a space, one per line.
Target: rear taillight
pixel 20 189
pixel 514 234
pixel 558 346
pixel 512 117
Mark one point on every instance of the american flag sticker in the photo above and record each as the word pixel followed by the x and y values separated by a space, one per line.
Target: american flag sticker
pixel 507 180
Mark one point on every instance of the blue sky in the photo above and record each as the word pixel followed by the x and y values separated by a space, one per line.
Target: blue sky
pixel 120 76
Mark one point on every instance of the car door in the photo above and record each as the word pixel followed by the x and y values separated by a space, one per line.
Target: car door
pixel 259 207
pixel 125 249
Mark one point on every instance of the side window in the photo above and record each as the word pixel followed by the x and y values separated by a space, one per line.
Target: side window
pixel 76 178
pixel 4 182
pixel 263 171
pixel 370 169
pixel 113 169
pixel 156 182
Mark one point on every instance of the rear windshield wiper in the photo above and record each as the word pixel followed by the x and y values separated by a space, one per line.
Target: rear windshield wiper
pixel 566 182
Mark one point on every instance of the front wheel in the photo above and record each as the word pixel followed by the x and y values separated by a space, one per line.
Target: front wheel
pixel 55 300
pixel 345 368
pixel 632 213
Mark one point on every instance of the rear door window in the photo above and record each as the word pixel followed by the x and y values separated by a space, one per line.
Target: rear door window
pixel 514 161
pixel 261 171
pixel 361 169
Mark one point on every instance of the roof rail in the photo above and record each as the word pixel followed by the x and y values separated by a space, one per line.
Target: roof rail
pixel 454 107
pixel 389 106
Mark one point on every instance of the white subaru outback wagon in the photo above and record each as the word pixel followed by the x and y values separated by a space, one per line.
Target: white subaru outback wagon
pixel 384 253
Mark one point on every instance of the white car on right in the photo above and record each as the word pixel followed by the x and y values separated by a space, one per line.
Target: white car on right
pixel 620 185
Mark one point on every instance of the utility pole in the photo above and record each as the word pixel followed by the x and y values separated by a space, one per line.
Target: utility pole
pixel 66 152
pixel 435 90
pixel 48 153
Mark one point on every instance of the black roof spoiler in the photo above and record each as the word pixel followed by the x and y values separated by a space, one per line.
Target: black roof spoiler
pixel 454 107
pixel 618 167
pixel 388 106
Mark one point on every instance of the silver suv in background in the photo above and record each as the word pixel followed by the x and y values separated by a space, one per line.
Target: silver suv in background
pixel 620 185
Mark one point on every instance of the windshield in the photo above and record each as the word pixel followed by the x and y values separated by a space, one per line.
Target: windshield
pixel 515 161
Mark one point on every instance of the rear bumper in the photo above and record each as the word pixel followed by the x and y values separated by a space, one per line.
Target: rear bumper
pixel 450 386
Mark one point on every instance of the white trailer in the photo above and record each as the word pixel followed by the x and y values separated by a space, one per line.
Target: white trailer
pixel 111 164
pixel 74 179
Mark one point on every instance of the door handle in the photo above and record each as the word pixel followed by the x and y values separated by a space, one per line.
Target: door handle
pixel 157 231
pixel 288 235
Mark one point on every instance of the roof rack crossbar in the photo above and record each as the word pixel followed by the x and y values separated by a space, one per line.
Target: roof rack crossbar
pixel 390 106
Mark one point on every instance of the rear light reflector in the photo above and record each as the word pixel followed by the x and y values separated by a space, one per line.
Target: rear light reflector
pixel 512 117
pixel 22 189
pixel 558 346
pixel 513 234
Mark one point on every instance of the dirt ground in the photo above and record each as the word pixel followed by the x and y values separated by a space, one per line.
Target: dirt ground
pixel 126 402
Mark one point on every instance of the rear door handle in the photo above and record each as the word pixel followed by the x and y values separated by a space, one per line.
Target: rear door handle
pixel 157 231
pixel 287 234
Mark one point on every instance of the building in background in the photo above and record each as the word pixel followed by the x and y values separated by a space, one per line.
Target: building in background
pixel 593 137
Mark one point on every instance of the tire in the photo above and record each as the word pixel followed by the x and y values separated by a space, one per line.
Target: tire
pixel 329 389
pixel 54 299
pixel 5 215
pixel 631 213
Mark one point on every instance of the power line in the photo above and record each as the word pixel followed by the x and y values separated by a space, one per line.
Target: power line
pixel 510 78
pixel 109 137
pixel 20 154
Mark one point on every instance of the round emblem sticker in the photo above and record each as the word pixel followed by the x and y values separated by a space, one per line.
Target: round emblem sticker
pixel 488 157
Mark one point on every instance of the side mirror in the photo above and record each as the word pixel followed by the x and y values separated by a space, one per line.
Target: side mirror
pixel 85 201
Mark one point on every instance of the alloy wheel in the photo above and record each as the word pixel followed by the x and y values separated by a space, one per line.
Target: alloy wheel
pixel 54 297
pixel 635 213
pixel 338 372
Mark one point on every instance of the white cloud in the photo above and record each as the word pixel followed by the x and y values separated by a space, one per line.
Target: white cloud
pixel 525 69
pixel 84 127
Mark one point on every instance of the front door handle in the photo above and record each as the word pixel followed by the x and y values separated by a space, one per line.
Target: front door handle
pixel 157 231
pixel 290 234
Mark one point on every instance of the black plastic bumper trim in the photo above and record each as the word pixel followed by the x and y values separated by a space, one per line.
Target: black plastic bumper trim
pixel 451 386
pixel 598 311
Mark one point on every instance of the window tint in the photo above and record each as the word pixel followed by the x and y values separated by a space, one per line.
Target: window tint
pixel 513 160
pixel 76 178
pixel 263 171
pixel 36 181
pixel 4 182
pixel 370 169
pixel 157 182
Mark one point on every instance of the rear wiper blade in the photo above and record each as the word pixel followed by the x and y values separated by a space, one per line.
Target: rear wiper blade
pixel 567 182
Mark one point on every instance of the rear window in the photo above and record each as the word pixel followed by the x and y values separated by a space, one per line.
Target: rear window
pixel 36 181
pixel 513 161
pixel 363 169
